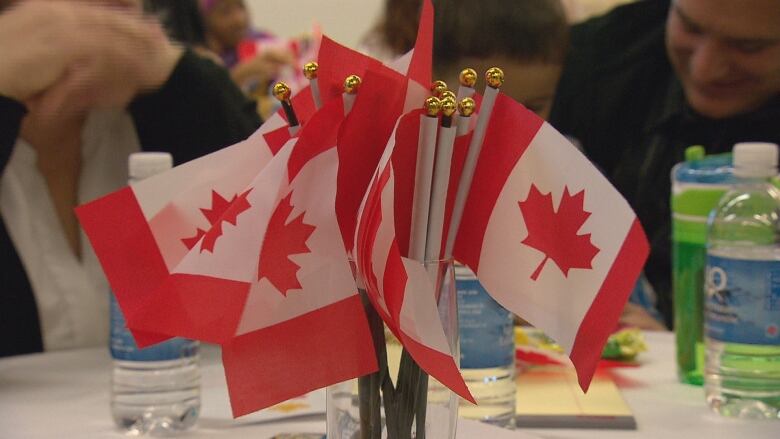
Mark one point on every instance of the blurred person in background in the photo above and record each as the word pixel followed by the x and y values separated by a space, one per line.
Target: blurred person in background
pixel 527 39
pixel 83 85
pixel 229 34
pixel 648 79
pixel 181 19
pixel 395 32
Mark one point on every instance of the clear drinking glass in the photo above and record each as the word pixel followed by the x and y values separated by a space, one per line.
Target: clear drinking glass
pixel 356 408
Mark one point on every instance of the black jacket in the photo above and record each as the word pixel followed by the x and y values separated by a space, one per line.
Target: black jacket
pixel 197 111
pixel 620 98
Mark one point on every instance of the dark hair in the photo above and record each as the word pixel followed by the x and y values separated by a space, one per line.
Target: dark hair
pixel 398 28
pixel 526 30
pixel 181 19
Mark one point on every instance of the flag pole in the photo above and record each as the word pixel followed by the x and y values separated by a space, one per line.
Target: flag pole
pixel 446 120
pixel 282 93
pixel 495 78
pixel 310 71
pixel 441 178
pixel 351 86
pixel 412 388
pixel 467 78
pixel 423 177
pixel 465 109
pixel 433 244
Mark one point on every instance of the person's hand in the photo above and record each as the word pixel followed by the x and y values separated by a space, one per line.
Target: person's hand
pixel 126 54
pixel 262 68
pixel 34 54
pixel 81 55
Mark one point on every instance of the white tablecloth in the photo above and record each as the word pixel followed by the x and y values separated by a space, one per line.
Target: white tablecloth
pixel 65 395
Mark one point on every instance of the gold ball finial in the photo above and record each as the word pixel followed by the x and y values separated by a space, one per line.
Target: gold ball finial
pixel 466 107
pixel 448 94
pixel 352 84
pixel 438 87
pixel 282 91
pixel 432 106
pixel 494 77
pixel 448 106
pixel 310 70
pixel 468 77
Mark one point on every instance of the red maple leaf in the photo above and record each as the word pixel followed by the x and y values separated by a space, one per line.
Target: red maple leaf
pixel 281 240
pixel 555 233
pixel 221 211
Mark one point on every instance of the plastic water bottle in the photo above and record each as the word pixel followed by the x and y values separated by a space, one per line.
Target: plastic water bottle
pixel 155 390
pixel 697 185
pixel 487 352
pixel 742 304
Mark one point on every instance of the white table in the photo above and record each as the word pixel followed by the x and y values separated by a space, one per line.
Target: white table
pixel 65 395
pixel 666 409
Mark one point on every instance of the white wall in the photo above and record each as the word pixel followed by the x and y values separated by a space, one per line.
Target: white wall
pixel 346 21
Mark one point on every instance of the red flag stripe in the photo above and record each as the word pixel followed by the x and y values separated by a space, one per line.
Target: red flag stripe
pixel 277 138
pixel 458 158
pixel 404 159
pixel 126 248
pixel 207 308
pixel 439 365
pixel 317 136
pixel 336 62
pixel 309 351
pixel 362 141
pixel 597 325
pixel 367 233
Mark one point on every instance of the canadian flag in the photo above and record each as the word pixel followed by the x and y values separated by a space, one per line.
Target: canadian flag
pixel 548 236
pixel 136 231
pixel 140 247
pixel 336 62
pixel 366 133
pixel 269 279
pixel 401 289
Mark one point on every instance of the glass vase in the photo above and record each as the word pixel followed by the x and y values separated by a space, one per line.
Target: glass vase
pixel 419 407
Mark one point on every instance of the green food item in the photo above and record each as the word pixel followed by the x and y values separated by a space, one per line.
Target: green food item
pixel 624 345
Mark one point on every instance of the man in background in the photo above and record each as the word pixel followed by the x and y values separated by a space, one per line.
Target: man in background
pixel 650 78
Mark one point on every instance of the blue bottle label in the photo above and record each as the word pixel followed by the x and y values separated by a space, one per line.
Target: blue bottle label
pixel 486 328
pixel 123 346
pixel 742 302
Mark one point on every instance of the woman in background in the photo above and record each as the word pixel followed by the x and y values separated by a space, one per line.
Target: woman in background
pixel 396 31
pixel 82 86
pixel 228 32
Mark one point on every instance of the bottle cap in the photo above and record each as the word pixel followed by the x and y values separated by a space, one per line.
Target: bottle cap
pixel 146 164
pixel 755 159
pixel 694 152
